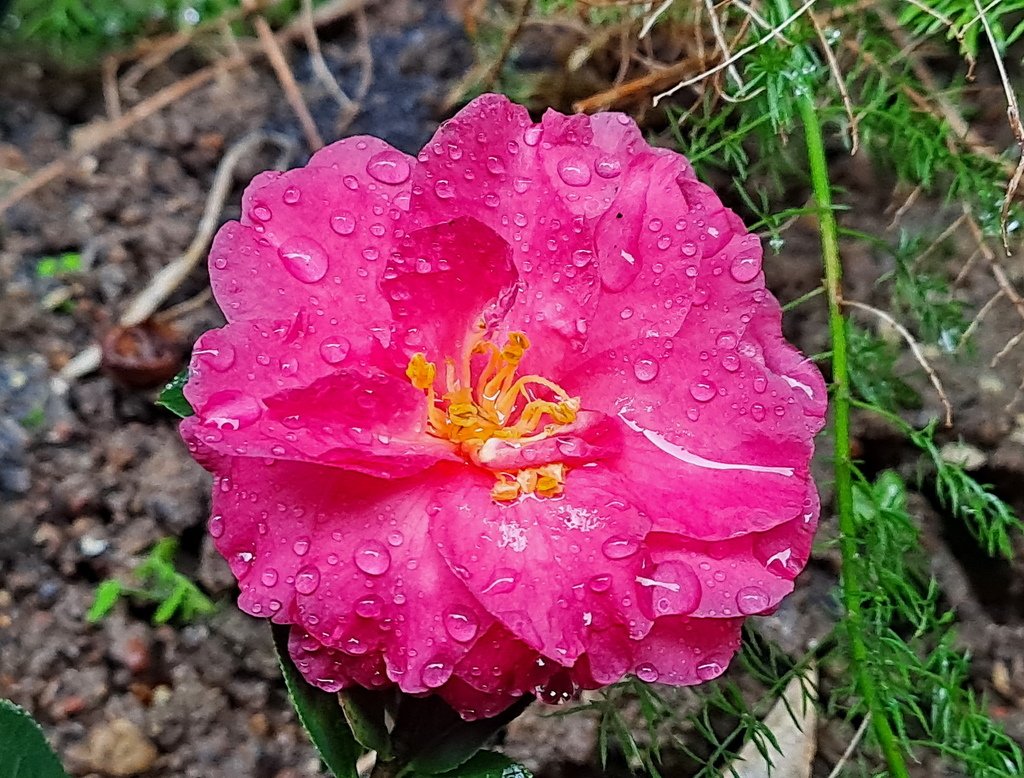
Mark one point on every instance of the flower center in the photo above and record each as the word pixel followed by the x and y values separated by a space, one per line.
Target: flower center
pixel 487 401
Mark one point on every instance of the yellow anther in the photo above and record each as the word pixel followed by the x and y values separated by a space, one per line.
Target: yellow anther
pixel 515 347
pixel 485 400
pixel 463 414
pixel 421 372
pixel 505 490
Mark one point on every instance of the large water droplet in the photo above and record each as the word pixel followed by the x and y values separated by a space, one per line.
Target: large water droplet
pixel 269 577
pixel 645 369
pixel 262 213
pixel 709 669
pixel 343 222
pixel 647 672
pixel 620 547
pixel 670 589
pixel 220 358
pixel 304 258
pixel 373 558
pixel 702 391
pixel 370 606
pixel 600 583
pixel 291 195
pixel 307 580
pixel 757 411
pixel 752 599
pixel 574 171
pixel 504 581
pixel 231 410
pixel 334 350
pixel 216 525
pixel 618 269
pixel 436 674
pixel 608 167
pixel 532 136
pixel 389 167
pixel 444 189
pixel 495 165
pixel 745 269
pixel 461 626
pixel 301 546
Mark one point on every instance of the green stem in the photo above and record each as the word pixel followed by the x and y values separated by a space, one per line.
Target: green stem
pixel 853 594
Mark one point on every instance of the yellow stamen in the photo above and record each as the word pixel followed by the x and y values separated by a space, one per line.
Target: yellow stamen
pixel 496 405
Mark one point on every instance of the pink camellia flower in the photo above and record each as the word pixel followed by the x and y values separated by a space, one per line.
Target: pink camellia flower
pixel 512 416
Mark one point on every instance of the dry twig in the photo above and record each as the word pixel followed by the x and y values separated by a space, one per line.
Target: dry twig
pixel 915 349
pixel 163 284
pixel 840 82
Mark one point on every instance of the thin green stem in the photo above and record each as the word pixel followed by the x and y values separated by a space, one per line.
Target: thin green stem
pixel 853 594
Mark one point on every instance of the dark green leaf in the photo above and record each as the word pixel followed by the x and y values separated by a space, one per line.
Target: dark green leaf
pixel 432 738
pixel 173 399
pixel 489 764
pixel 319 713
pixel 364 710
pixel 24 752
pixel 107 594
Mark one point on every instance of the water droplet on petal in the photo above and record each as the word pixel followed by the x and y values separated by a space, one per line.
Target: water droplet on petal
pixel 760 384
pixel 709 669
pixel 301 546
pixel 532 136
pixel 702 391
pixel 389 167
pixel 647 672
pixel 670 589
pixel 757 411
pixel 262 213
pixel 745 269
pixel 373 558
pixel 307 580
pixel 504 581
pixel 608 167
pixel 370 606
pixel 343 222
pixel 304 258
pixel 600 583
pixel 231 410
pixel 216 525
pixel 291 195
pixel 582 257
pixel 752 599
pixel 436 674
pixel 395 538
pixel 220 358
pixel 443 189
pixel 574 171
pixel 495 165
pixel 645 369
pixel 269 577
pixel 461 626
pixel 334 350
pixel 620 547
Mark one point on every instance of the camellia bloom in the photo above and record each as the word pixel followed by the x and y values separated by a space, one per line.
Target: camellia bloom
pixel 512 416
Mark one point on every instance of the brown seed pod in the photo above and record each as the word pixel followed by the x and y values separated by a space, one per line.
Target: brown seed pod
pixel 143 356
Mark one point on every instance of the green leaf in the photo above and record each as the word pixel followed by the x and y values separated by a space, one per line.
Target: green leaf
pixel 24 752
pixel 364 710
pixel 107 595
pixel 173 399
pixel 490 764
pixel 319 713
pixel 432 738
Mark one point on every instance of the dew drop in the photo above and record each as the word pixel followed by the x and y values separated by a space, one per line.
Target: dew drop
pixel 709 669
pixel 304 258
pixel 395 539
pixel 600 583
pixel 752 599
pixel 495 165
pixel 461 626
pixel 645 369
pixel 521 184
pixel 334 350
pixel 436 674
pixel 504 581
pixel 370 607
pixel 291 195
pixel 301 546
pixel 389 167
pixel 269 577
pixel 216 525
pixel 745 269
pixel 731 362
pixel 608 167
pixel 532 136
pixel 343 222
pixel 262 213
pixel 307 580
pixel 647 672
pixel 702 391
pixel 231 410
pixel 220 358
pixel 443 189
pixel 574 171
pixel 582 257
pixel 620 547
pixel 373 558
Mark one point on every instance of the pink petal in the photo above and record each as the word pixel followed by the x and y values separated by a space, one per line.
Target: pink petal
pixel 551 571
pixel 684 651
pixel 305 389
pixel 349 558
pixel 442 280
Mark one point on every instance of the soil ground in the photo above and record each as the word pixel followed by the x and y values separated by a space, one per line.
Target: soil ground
pixel 92 474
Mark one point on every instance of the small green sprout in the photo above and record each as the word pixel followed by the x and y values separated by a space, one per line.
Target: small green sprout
pixel 160 583
pixel 52 267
